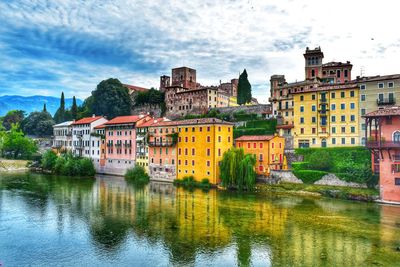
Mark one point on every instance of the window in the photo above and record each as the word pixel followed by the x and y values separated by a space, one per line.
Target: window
pixel 343 106
pixel 193 129
pixel 313 130
pixel 333 141
pixel 396 181
pixel 343 118
pixel 390 84
pixel 333 130
pixel 313 108
pixel 186 139
pixel 353 141
pixel 333 107
pixel 208 139
pixel 343 141
pixel 192 162
pixel 301 108
pixel 261 157
pixel 333 118
pixel 342 94
pixel 343 129
pixel 363 86
pixel 353 129
pixel 363 126
pixel 208 129
pixel 352 105
pixel 362 97
pixel 313 119
pixel 352 117
pixel 261 145
pixel 193 139
pixel 301 98
pixel 381 85
pixel 312 97
pixel 301 130
pixel 352 93
pixel 346 73
pixel 333 95
pixel 248 145
pixel 363 111
pixel 193 151
pixel 208 152
pixel 338 73
pixel 254 145
pixel 219 139
pixel 219 152
pixel 301 120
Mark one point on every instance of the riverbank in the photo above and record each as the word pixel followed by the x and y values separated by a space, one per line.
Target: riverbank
pixel 339 192
pixel 11 165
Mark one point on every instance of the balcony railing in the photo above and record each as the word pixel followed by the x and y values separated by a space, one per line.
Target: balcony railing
pixel 396 157
pixel 386 101
pixel 323 100
pixel 383 144
pixel 118 144
pixel 128 145
pixel 161 144
pixel 109 144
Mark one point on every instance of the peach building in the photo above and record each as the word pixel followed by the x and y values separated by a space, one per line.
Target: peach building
pixel 382 133
pixel 268 149
pixel 120 134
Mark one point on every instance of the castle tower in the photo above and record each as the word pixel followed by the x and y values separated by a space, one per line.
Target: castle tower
pixel 165 81
pixel 184 77
pixel 276 80
pixel 313 63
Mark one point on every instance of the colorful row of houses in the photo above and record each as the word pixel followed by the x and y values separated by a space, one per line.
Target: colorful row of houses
pixel 168 150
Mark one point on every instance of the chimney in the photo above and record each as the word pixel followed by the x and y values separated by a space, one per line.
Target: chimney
pixel 93 115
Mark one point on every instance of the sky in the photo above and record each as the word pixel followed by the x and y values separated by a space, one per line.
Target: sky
pixel 49 46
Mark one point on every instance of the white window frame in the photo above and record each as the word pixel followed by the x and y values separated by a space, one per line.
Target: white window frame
pixel 363 85
pixel 383 85
pixel 391 82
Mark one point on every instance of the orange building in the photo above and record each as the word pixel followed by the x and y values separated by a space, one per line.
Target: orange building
pixel 268 150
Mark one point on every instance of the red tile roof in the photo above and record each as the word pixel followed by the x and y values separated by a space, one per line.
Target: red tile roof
pixel 100 126
pixel 392 111
pixel 150 122
pixel 124 119
pixel 286 126
pixel 134 88
pixel 192 122
pixel 87 120
pixel 255 138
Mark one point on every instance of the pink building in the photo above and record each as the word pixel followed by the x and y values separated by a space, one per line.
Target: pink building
pixel 120 133
pixel 383 135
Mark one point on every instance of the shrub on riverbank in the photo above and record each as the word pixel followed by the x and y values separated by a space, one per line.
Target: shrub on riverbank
pixel 67 164
pixel 309 176
pixel 137 175
pixel 351 164
pixel 190 182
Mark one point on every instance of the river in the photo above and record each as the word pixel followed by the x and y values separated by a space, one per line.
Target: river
pixel 63 221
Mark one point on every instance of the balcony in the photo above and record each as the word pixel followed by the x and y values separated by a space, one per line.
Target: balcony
pixel 396 157
pixel 385 101
pixel 127 145
pixel 323 100
pixel 162 144
pixel 383 144
pixel 118 145
pixel 109 144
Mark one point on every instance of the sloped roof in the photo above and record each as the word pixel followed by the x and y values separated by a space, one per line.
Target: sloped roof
pixel 191 122
pixel 150 122
pixel 102 126
pixel 87 120
pixel 255 138
pixel 63 124
pixel 124 119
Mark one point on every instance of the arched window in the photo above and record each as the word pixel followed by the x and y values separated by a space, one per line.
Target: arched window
pixel 323 143
pixel 396 137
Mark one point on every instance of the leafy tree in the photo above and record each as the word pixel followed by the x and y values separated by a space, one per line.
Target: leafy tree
pixel 13 117
pixel 86 109
pixel 74 109
pixel 111 99
pixel 16 145
pixel 237 169
pixel 49 160
pixel 151 97
pixel 60 115
pixel 244 89
pixel 38 124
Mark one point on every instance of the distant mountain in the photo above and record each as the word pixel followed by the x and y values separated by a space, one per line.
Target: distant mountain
pixel 32 103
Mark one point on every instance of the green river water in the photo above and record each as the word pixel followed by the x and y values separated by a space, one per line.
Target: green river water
pixel 63 221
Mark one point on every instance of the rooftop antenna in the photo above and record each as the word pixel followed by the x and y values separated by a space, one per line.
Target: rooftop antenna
pixel 362 71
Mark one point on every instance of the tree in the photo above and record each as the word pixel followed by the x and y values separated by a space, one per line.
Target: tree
pixel 60 115
pixel 111 99
pixel 16 145
pixel 244 89
pixel 38 124
pixel 74 109
pixel 13 117
pixel 237 169
pixel 44 107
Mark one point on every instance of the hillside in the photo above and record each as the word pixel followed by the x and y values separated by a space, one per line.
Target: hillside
pixel 32 103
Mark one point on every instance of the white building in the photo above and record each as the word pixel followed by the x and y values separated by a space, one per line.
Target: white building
pixel 62 136
pixel 83 140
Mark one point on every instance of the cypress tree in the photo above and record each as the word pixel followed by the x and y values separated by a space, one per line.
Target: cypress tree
pixel 60 115
pixel 44 107
pixel 244 89
pixel 74 109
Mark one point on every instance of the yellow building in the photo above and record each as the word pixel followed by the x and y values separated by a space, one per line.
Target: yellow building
pixel 326 116
pixel 201 145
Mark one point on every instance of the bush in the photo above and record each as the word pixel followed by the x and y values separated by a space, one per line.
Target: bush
pixel 297 166
pixel 137 175
pixel 190 182
pixel 49 160
pixel 86 167
pixel 67 164
pixel 320 160
pixel 309 176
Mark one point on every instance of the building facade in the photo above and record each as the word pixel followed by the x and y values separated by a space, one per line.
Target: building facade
pixel 62 137
pixel 326 116
pixel 377 92
pixel 82 135
pixel 382 133
pixel 268 150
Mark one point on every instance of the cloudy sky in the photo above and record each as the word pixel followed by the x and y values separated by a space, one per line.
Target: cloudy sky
pixel 49 46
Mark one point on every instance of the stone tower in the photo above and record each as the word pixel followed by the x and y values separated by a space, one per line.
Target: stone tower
pixel 165 81
pixel 313 63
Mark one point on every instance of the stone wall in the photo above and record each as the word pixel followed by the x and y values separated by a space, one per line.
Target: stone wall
pixel 154 110
pixel 166 173
pixel 258 109
pixel 331 179
pixel 292 157
pixel 285 176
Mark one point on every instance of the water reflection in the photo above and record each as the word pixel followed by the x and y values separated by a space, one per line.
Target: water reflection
pixel 115 222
